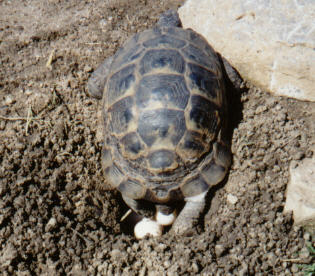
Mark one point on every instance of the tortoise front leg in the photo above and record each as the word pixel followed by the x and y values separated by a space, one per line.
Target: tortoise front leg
pixel 233 76
pixel 98 79
pixel 190 214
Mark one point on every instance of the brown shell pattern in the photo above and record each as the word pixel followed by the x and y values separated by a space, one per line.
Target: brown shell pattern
pixel 164 109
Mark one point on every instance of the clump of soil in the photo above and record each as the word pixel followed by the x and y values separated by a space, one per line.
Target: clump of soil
pixel 52 219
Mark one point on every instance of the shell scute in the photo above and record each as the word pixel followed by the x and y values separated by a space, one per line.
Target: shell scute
pixel 199 57
pixel 194 186
pixel 164 41
pixel 120 83
pixel 163 127
pixel 132 188
pixel 132 145
pixel 203 81
pixel 114 175
pixel 203 116
pixel 121 115
pixel 168 59
pixel 192 146
pixel 162 160
pixel 127 54
pixel 165 90
pixel 213 173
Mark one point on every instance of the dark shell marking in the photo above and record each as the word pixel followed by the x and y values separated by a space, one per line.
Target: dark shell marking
pixel 164 58
pixel 168 90
pixel 161 126
pixel 164 110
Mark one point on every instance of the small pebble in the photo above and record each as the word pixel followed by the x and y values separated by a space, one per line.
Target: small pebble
pixel 195 267
pixel 307 236
pixel 219 250
pixel 8 100
pixel 103 23
pixel 294 268
pixel 298 156
pixel 115 254
pixel 143 271
pixel 87 68
pixel 231 199
pixel 51 224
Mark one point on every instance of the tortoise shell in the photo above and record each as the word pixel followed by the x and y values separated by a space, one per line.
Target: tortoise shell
pixel 164 112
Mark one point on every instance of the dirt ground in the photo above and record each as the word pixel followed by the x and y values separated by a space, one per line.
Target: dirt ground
pixel 52 219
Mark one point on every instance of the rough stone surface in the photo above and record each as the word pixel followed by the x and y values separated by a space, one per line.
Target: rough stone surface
pixel 301 192
pixel 270 43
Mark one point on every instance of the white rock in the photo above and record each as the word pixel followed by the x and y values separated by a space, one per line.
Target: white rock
pixel 231 199
pixel 301 192
pixel 147 227
pixel 8 100
pixel 271 43
pixel 7 255
pixel 51 224
pixel 165 219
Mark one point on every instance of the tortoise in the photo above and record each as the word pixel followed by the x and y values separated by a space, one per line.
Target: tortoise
pixel 164 114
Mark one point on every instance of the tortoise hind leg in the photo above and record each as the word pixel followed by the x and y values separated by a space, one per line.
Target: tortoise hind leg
pixel 231 75
pixel 190 214
pixel 98 79
pixel 143 225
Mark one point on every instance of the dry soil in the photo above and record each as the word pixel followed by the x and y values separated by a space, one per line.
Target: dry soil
pixel 53 221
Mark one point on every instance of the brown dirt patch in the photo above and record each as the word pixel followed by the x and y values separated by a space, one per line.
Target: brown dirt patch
pixel 54 222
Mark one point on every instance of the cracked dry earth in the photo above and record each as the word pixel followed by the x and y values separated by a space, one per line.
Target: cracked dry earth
pixel 53 220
